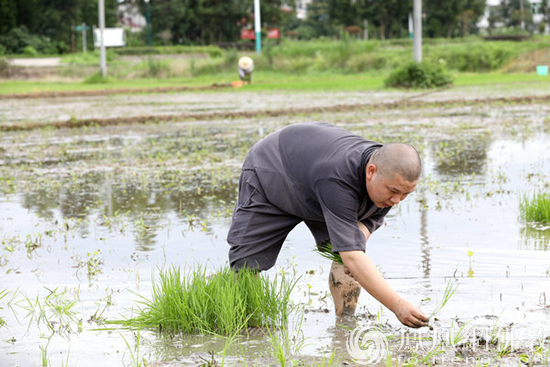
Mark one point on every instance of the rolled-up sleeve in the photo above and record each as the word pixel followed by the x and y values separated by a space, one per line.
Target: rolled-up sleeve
pixel 339 206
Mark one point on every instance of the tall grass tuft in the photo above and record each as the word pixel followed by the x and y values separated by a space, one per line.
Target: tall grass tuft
pixel 535 208
pixel 223 304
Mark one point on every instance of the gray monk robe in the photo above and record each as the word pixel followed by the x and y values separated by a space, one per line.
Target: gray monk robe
pixel 311 172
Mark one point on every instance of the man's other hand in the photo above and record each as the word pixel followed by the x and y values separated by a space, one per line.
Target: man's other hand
pixel 410 315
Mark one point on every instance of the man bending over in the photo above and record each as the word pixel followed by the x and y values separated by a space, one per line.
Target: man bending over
pixel 339 184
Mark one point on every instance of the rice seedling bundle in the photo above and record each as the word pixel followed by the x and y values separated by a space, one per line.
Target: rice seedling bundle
pixel 224 303
pixel 535 208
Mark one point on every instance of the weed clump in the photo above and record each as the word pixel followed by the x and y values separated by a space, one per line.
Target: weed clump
pixel 419 75
pixel 535 208
pixel 97 78
pixel 223 304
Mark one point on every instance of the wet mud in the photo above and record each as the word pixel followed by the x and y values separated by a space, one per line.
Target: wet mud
pixel 108 92
pixel 406 103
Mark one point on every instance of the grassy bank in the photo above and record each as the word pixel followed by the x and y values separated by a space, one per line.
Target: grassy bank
pixel 321 65
pixel 265 81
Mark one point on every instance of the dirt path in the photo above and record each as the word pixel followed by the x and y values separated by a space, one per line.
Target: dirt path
pixel 37 62
pixel 108 92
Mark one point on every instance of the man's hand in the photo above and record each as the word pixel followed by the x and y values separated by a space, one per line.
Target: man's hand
pixel 410 315
pixel 363 270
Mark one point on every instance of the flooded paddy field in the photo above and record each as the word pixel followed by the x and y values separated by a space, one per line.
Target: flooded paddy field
pixel 89 215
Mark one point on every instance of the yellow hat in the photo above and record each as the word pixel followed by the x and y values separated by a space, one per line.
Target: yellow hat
pixel 245 62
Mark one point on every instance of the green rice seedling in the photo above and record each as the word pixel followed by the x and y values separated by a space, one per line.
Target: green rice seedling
pixel 450 289
pixel 325 250
pixel 458 336
pixel 44 360
pixel 136 361
pixel 222 304
pixel 328 361
pixel 535 208
pixel 3 294
pixel 285 346
pixel 56 311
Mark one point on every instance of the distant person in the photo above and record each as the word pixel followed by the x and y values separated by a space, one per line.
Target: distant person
pixel 246 66
pixel 341 186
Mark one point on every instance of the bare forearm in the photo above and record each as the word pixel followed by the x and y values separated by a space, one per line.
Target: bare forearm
pixel 365 272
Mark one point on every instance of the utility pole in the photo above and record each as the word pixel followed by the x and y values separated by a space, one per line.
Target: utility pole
pixel 102 58
pixel 257 26
pixel 521 11
pixel 148 19
pixel 417 35
pixel 84 38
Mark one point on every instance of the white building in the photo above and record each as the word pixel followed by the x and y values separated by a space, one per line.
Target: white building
pixel 130 16
pixel 301 8
pixel 493 5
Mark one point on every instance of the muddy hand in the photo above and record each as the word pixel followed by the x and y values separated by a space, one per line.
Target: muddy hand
pixel 410 315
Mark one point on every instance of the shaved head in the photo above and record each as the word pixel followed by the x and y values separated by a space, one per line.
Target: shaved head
pixel 399 158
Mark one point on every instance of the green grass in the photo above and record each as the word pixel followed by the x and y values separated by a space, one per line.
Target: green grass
pixel 473 79
pixel 20 86
pixel 262 81
pixel 267 81
pixel 223 304
pixel 535 207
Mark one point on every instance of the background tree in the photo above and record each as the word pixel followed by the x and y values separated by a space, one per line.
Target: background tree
pixel 318 22
pixel 390 16
pixel 452 17
pixel 512 15
pixel 343 13
pixel 48 25
pixel 8 14
pixel 520 13
pixel 545 11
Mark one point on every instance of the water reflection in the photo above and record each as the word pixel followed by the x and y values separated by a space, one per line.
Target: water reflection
pixel 139 201
pixel 424 240
pixel 462 156
pixel 534 238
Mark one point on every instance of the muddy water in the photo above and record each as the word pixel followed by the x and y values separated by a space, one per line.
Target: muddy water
pixel 88 216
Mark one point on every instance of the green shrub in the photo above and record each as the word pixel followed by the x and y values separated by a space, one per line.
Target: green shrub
pixel 419 75
pixel 17 39
pixel 478 55
pixel 306 32
pixel 4 68
pixel 212 51
pixel 231 57
pixel 366 61
pixel 88 58
pixel 30 51
pixel 97 78
pixel 156 68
